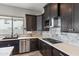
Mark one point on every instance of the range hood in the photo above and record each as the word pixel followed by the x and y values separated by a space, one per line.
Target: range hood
pixel 56 20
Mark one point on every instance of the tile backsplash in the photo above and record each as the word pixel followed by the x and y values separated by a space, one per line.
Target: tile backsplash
pixel 55 33
pixel 32 34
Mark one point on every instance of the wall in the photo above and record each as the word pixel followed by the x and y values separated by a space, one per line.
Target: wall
pixel 14 11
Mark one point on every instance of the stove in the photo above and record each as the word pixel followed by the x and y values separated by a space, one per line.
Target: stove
pixel 53 41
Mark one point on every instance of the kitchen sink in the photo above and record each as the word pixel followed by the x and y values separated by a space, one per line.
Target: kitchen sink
pixel 10 38
pixel 53 41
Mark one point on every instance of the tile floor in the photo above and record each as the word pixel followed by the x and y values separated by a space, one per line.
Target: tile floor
pixel 34 53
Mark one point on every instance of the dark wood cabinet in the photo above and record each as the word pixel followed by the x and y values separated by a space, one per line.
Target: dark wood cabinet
pixel 44 48
pixel 34 44
pixel 76 17
pixel 14 43
pixel 48 50
pixel 56 52
pixel 50 11
pixel 31 23
pixel 53 10
pixel 66 11
pixel 69 17
pixel 46 17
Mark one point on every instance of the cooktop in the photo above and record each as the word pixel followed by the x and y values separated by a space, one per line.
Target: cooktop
pixel 53 41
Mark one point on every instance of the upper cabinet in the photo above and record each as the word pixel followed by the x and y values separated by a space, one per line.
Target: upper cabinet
pixel 31 23
pixel 69 17
pixel 45 17
pixel 66 11
pixel 54 9
pixel 50 11
pixel 76 17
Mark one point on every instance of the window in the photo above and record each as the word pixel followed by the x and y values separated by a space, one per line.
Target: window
pixel 11 26
pixel 17 26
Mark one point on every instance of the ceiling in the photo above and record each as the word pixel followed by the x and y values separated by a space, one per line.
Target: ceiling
pixel 30 6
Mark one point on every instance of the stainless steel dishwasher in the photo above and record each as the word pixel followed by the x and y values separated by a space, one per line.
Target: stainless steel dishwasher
pixel 24 45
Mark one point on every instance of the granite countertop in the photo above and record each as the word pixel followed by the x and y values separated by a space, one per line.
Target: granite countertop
pixel 19 38
pixel 27 37
pixel 6 51
pixel 65 47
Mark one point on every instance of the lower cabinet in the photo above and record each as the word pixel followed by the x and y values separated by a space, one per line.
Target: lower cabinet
pixel 14 43
pixel 47 50
pixel 56 52
pixel 34 44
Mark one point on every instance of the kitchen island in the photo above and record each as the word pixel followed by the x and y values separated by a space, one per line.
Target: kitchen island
pixel 6 51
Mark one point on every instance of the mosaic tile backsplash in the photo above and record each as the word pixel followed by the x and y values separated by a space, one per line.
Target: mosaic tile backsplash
pixel 55 33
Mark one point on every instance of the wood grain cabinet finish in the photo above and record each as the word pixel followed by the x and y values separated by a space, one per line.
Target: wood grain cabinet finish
pixel 31 23
pixel 45 17
pixel 50 10
pixel 66 11
pixel 53 10
pixel 45 49
pixel 34 44
pixel 69 17
pixel 76 17
pixel 56 52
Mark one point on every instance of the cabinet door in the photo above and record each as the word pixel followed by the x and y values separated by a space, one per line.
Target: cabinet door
pixel 28 23
pixel 45 49
pixel 34 44
pixel 46 17
pixel 76 17
pixel 66 10
pixel 66 24
pixel 55 52
pixel 16 46
pixel 48 50
pixel 54 9
pixel 58 53
pixel 31 23
pixel 34 23
pixel 41 48
pixel 47 11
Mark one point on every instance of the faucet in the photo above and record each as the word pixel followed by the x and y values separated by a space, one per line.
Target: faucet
pixel 15 35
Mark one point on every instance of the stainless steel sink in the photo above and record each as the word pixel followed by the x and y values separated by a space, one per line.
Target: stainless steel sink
pixel 10 38
pixel 53 41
